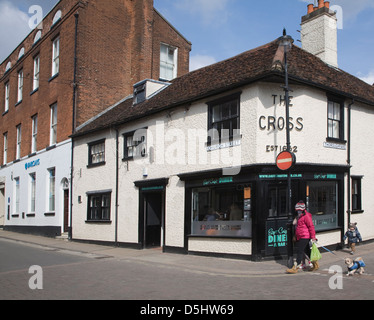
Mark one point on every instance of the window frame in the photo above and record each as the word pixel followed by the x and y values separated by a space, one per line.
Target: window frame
pixel 5 154
pixel 51 189
pixel 34 133
pixel 135 146
pixel 53 125
pixel 32 201
pixel 17 194
pixel 99 216
pixel 91 146
pixel 336 102
pixel 20 86
pixel 18 141
pixel 356 194
pixel 221 102
pixel 36 73
pixel 6 96
pixel 165 64
pixel 55 56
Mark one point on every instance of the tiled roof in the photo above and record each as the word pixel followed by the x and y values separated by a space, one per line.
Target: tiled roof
pixel 245 68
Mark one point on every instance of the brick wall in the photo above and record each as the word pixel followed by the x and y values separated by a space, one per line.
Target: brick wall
pixel 49 92
pixel 118 46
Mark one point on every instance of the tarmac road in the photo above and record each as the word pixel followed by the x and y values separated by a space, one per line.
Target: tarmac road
pixel 72 271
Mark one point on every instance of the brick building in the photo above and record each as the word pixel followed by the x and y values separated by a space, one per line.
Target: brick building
pixel 83 56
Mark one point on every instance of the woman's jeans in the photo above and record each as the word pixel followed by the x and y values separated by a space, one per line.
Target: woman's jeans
pixel 302 248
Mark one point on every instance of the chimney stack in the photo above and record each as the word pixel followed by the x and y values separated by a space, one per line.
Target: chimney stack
pixel 319 32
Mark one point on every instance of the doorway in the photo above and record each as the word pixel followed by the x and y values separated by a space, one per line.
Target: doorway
pixel 2 206
pixel 272 238
pixel 66 210
pixel 151 233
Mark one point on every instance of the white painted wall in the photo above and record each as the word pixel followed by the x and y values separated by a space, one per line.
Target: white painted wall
pixel 58 158
pixel 169 134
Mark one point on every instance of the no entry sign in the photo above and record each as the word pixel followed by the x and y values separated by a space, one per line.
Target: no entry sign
pixel 285 160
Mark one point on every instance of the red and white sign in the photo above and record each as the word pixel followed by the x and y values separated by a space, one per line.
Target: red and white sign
pixel 285 160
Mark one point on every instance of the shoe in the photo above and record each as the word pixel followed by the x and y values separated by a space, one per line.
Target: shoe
pixel 315 266
pixel 295 269
pixel 352 253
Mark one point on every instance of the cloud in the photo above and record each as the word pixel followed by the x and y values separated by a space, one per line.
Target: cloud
pixel 208 10
pixel 14 24
pixel 369 78
pixel 199 61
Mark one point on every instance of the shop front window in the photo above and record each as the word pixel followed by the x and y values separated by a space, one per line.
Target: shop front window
pixel 221 211
pixel 322 201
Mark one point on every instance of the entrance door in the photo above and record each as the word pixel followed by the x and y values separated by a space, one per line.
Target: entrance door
pixel 152 219
pixel 271 234
pixel 2 206
pixel 66 210
pixel 276 239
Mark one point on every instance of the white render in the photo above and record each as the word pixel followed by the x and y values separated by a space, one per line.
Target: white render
pixel 319 36
pixel 58 157
pixel 171 150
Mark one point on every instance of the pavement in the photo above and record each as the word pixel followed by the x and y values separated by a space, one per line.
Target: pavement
pixel 189 263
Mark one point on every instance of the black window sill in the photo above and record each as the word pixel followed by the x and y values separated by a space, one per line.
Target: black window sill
pixel 357 211
pixel 32 92
pixel 335 140
pixel 18 103
pixel 51 147
pixel 94 165
pixel 30 215
pixel 50 214
pixel 53 77
pixel 5 112
pixel 99 221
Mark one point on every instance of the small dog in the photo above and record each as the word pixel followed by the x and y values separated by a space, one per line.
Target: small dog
pixel 356 265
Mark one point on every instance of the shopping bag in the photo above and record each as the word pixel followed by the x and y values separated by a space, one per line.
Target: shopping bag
pixel 315 254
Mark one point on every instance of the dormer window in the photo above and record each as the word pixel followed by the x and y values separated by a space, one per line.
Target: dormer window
pixel 139 93
pixel 146 89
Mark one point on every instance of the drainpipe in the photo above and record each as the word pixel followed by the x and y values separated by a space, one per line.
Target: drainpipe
pixel 76 15
pixel 117 175
pixel 349 161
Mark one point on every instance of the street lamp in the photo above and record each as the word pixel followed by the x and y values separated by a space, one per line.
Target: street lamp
pixel 285 44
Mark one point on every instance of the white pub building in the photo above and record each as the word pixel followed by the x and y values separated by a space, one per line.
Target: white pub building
pixel 189 165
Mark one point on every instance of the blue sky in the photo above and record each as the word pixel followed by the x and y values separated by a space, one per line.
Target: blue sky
pixel 220 29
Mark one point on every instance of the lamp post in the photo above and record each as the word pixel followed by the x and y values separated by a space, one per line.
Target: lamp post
pixel 286 42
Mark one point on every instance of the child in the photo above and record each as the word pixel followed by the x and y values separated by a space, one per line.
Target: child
pixel 353 236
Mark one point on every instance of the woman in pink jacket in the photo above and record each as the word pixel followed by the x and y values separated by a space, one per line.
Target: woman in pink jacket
pixel 304 233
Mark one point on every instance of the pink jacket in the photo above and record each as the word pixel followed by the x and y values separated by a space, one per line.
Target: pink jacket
pixel 305 228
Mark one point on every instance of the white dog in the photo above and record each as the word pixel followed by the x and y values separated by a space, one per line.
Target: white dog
pixel 354 266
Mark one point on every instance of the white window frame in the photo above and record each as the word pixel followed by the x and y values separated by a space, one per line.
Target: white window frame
pixel 6 107
pixel 19 140
pixel 168 68
pixel 55 56
pixel 34 133
pixel 35 83
pixel 53 127
pixel 32 204
pixel 51 190
pixel 5 156
pixel 20 86
pixel 17 187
